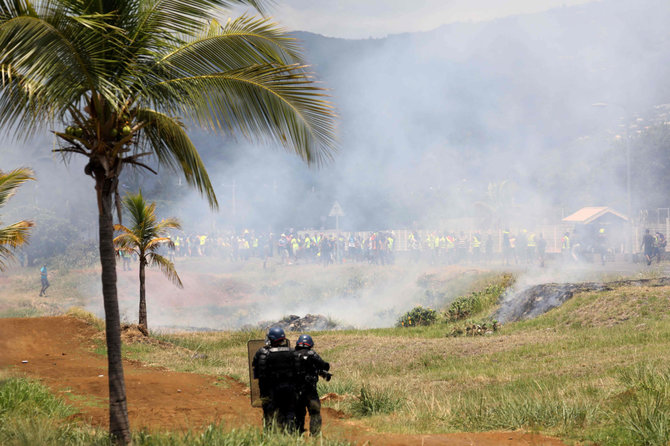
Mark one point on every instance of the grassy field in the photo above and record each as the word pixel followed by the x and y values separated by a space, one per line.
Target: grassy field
pixel 594 371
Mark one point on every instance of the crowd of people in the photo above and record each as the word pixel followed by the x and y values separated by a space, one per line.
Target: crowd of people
pixel 381 247
pixel 653 246
pixel 451 247
pixel 291 247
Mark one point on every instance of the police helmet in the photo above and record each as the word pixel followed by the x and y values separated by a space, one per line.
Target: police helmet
pixel 276 334
pixel 304 341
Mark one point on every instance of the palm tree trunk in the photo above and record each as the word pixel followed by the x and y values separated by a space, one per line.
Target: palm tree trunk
pixel 119 427
pixel 143 302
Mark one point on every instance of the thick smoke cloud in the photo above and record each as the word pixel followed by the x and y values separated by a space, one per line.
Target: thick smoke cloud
pixel 427 122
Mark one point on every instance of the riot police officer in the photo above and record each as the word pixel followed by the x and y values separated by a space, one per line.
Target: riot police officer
pixel 274 365
pixel 310 367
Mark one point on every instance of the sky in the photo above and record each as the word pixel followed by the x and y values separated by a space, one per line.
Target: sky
pixel 356 19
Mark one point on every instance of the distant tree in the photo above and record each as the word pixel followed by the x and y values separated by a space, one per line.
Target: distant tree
pixel 498 205
pixel 17 234
pixel 121 76
pixel 144 238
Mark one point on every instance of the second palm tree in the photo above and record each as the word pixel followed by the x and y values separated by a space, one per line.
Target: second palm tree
pixel 144 238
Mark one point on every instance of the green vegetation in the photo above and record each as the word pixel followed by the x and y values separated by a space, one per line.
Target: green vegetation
pixel 16 234
pixel 477 302
pixel 573 372
pixel 373 401
pixel 417 316
pixel 646 404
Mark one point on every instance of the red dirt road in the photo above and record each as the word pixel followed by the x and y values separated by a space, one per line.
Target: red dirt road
pixel 58 351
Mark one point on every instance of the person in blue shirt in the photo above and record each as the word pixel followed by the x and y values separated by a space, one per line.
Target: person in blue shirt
pixel 45 281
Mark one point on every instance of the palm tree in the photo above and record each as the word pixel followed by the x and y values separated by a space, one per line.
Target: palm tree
pixel 122 76
pixel 498 206
pixel 144 238
pixel 14 235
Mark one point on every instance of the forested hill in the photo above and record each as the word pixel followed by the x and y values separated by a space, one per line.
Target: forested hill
pixel 428 120
pixel 494 100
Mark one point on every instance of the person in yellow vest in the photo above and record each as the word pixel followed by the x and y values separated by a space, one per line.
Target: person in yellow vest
pixel 435 247
pixel 201 248
pixel 295 245
pixel 254 246
pixel 507 246
pixel 390 244
pixel 451 247
pixel 565 246
pixel 531 245
pixel 476 246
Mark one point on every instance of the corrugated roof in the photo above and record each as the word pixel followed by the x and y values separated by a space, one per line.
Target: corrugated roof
pixel 589 214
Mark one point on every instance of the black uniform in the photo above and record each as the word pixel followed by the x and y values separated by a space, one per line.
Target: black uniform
pixel 310 367
pixel 275 369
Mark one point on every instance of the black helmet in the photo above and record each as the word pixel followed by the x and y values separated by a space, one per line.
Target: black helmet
pixel 276 334
pixel 304 341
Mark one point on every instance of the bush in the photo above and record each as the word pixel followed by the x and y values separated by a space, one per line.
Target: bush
pixel 476 302
pixel 417 316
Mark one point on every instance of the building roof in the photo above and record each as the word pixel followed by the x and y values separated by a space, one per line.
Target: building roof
pixel 590 214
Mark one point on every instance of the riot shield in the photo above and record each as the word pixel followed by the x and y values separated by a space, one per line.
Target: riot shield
pixel 252 347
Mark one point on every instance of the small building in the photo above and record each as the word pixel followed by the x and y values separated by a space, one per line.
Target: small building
pixel 591 225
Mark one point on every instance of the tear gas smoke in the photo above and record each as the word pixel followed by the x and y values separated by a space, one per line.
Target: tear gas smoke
pixel 428 121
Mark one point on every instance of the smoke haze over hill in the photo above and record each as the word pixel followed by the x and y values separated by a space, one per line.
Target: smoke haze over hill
pixel 428 120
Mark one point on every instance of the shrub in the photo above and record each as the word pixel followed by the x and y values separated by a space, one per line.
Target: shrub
pixel 417 316
pixel 476 302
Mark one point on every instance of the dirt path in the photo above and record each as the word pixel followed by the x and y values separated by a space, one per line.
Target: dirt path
pixel 58 352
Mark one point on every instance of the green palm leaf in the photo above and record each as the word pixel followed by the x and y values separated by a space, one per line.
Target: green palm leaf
pixel 272 103
pixel 17 234
pixel 166 267
pixel 174 149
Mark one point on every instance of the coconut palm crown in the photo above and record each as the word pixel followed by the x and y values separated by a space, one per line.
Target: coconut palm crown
pixel 16 234
pixel 116 81
pixel 145 237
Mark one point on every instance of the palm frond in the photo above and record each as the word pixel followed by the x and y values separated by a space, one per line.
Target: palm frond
pixel 168 223
pixel 10 181
pixel 155 243
pixel 174 149
pixel 166 267
pixel 279 104
pixel 12 237
pixel 238 44
pixel 16 234
pixel 127 240
pixel 48 62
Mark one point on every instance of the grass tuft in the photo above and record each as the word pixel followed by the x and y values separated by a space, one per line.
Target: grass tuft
pixel 373 401
pixel 646 415
pixel 87 317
